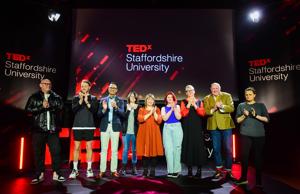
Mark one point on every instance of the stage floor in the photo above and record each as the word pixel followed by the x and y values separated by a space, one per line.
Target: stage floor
pixel 138 184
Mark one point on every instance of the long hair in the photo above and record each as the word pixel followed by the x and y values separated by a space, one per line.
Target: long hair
pixel 135 96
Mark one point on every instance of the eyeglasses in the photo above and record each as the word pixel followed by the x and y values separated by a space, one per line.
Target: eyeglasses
pixel 47 84
pixel 114 88
pixel 189 90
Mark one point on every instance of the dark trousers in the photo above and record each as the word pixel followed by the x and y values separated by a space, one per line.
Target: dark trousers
pixel 39 141
pixel 257 143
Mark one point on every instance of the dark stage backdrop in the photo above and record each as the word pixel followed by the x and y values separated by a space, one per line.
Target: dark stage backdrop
pixel 268 58
pixel 153 51
pixel 32 48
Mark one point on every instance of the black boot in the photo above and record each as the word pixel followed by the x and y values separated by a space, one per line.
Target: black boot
pixel 145 166
pixel 198 173
pixel 145 172
pixel 153 165
pixel 190 171
pixel 134 171
pixel 152 172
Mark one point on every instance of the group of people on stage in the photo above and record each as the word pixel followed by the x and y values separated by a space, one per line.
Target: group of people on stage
pixel 181 141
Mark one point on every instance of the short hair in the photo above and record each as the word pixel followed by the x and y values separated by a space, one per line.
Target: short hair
pixel 149 96
pixel 113 83
pixel 189 87
pixel 45 79
pixel 135 95
pixel 173 96
pixel 216 83
pixel 86 81
pixel 250 89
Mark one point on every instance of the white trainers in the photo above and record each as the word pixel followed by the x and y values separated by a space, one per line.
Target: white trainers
pixel 59 178
pixel 38 179
pixel 74 174
pixel 89 173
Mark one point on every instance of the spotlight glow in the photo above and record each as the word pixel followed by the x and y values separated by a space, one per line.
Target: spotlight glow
pixel 53 16
pixel 255 16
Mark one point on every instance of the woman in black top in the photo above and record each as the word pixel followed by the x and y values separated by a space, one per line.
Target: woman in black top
pixel 130 128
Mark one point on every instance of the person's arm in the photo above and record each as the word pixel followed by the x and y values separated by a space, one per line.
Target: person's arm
pixel 200 110
pixel 56 104
pixel 165 116
pixel 240 116
pixel 209 110
pixel 184 110
pixel 31 106
pixel 228 106
pixel 141 115
pixel 75 104
pixel 157 115
pixel 119 110
pixel 93 105
pixel 102 108
pixel 177 112
pixel 264 117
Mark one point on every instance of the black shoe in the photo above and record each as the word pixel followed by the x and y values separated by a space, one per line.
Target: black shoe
pixel 190 171
pixel 198 173
pixel 241 182
pixel 122 172
pixel 145 172
pixel 230 176
pixel 134 171
pixel 218 175
pixel 38 179
pixel 152 173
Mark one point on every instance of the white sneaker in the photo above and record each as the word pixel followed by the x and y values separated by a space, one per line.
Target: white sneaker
pixel 89 173
pixel 59 178
pixel 38 179
pixel 74 174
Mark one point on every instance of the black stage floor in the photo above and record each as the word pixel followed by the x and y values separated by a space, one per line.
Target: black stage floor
pixel 138 184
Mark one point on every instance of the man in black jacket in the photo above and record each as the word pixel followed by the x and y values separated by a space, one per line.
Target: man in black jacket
pixel 84 106
pixel 44 106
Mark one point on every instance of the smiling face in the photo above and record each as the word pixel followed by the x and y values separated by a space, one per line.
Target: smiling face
pixel 190 93
pixel 149 100
pixel 170 99
pixel 215 89
pixel 132 98
pixel 112 89
pixel 85 87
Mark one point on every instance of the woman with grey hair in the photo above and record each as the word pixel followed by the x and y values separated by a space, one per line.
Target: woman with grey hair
pixel 193 150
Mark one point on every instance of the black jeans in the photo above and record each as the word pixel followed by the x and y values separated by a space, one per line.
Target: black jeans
pixel 39 141
pixel 257 143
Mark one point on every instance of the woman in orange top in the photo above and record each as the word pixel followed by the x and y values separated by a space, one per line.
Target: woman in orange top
pixel 149 141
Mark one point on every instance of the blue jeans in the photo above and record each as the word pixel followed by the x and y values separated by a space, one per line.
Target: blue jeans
pixel 126 144
pixel 217 137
